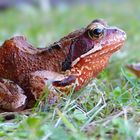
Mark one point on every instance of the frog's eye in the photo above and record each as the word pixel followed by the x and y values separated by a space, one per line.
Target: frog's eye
pixel 96 32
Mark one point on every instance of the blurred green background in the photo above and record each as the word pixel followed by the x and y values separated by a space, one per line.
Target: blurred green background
pixel 43 23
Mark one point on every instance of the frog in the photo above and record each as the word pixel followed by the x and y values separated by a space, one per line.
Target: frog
pixel 76 59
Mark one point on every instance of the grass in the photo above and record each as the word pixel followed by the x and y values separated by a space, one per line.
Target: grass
pixel 108 108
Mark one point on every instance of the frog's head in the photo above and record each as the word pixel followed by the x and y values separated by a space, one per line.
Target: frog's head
pixel 97 39
pixel 105 37
pixel 90 51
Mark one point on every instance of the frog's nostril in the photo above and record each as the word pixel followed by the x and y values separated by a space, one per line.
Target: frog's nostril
pixel 115 30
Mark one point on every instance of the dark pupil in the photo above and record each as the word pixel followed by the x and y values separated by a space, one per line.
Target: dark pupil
pixel 96 32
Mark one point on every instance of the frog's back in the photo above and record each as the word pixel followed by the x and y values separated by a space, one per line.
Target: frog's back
pixel 15 55
pixel 18 59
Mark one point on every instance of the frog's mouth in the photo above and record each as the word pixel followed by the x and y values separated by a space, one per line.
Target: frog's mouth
pixel 98 48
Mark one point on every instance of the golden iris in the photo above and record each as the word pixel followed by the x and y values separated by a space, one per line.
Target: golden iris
pixel 96 33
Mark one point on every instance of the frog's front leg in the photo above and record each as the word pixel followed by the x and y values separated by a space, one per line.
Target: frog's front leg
pixel 75 76
pixel 84 71
pixel 39 80
pixel 12 97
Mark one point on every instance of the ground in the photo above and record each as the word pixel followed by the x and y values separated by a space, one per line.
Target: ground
pixel 108 108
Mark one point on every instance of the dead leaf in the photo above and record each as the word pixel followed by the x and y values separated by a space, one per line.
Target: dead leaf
pixel 135 68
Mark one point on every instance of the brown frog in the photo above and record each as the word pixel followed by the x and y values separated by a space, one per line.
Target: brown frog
pixel 77 58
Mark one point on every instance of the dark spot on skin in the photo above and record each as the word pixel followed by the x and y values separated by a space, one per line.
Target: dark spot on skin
pixel 65 82
pixel 53 47
pixel 66 65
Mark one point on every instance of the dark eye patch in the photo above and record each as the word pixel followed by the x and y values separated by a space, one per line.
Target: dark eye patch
pixel 79 47
pixel 66 65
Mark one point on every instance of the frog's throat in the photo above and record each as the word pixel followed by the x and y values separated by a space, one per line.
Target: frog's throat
pixel 97 47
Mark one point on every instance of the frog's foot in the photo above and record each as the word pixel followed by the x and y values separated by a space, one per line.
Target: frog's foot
pixel 41 79
pixel 12 97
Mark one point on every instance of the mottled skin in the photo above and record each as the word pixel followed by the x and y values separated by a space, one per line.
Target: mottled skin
pixel 78 57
